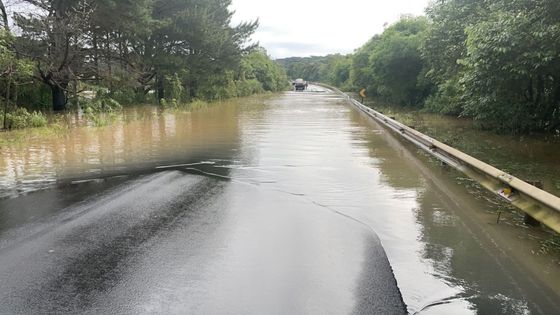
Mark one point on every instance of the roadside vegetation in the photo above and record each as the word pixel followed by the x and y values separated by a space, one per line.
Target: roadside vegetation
pixel 496 62
pixel 101 55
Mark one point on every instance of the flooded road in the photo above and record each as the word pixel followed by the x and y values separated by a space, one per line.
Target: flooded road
pixel 292 203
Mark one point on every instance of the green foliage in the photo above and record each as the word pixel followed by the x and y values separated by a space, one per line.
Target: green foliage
pixel 396 63
pixel 102 103
pixel 21 118
pixel 447 98
pixel 248 87
pixel 338 70
pixel 127 97
pixel 331 69
pixel 132 51
pixel 259 73
pixel 178 49
pixel 174 86
pixel 497 62
pixel 389 66
pixel 360 74
pixel 512 67
pixel 10 63
pixel 308 68
pixel 494 61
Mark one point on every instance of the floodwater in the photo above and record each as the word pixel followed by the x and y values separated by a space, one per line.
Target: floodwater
pixel 533 158
pixel 304 171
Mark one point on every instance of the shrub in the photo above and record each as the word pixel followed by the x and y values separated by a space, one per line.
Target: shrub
pixel 37 119
pixel 20 118
pixel 249 87
pixel 102 104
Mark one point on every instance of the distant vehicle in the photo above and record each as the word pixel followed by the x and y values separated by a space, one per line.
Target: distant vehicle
pixel 300 85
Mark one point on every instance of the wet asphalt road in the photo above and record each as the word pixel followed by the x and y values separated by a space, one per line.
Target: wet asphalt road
pixel 175 242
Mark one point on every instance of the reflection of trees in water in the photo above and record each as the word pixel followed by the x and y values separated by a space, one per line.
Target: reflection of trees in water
pixel 150 138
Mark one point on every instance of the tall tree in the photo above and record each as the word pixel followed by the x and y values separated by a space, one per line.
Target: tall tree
pixel 53 36
pixel 512 67
pixel 4 15
pixel 395 63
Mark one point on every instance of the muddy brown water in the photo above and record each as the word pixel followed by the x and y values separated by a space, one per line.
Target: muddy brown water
pixel 448 254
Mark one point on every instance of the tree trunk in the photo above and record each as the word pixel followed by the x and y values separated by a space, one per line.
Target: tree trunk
pixel 76 96
pixel 160 88
pixel 16 94
pixel 4 15
pixel 109 63
pixel 96 57
pixel 58 98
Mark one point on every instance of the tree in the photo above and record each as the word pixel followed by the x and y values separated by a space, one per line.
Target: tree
pixel 359 74
pixel 12 68
pixel 4 16
pixel 53 35
pixel 496 61
pixel 395 63
pixel 258 66
pixel 512 67
pixel 196 36
pixel 444 45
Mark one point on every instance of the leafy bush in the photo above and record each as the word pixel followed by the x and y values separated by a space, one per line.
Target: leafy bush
pixel 125 96
pixel 446 100
pixel 21 118
pixel 174 86
pixel 102 104
pixel 248 87
pixel 37 119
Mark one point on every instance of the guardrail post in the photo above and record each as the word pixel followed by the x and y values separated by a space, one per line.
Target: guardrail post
pixel 529 220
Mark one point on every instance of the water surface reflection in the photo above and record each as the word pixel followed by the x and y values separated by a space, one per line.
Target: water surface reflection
pixel 142 139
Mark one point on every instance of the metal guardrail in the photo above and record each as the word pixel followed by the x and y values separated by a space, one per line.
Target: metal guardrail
pixel 535 202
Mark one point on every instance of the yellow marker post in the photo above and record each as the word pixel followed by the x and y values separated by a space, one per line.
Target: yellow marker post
pixel 363 94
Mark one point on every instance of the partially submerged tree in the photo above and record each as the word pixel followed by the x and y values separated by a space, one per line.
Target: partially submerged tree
pixel 111 42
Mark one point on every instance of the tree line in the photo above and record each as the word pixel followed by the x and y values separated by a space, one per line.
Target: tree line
pixel 137 51
pixel 497 62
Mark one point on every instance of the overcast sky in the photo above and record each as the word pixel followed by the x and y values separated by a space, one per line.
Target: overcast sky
pixel 319 27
